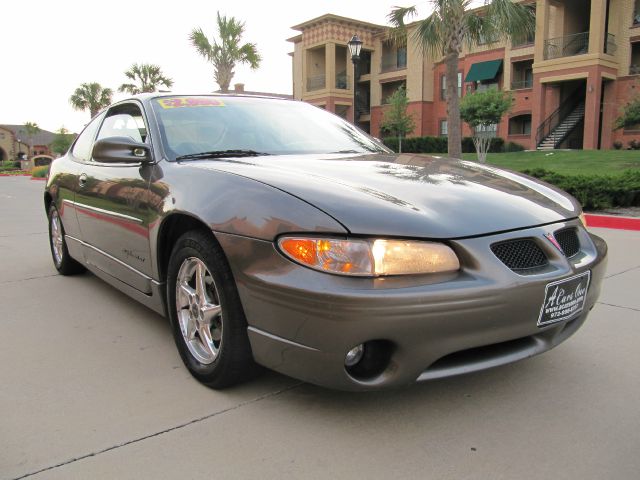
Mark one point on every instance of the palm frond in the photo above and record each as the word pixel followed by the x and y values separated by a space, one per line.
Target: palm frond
pixel 512 20
pixel 249 55
pixel 201 43
pixel 431 36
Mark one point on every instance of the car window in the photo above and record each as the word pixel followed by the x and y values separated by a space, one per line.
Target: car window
pixel 84 142
pixel 124 121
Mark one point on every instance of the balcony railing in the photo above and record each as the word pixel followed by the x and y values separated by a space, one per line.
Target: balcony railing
pixel 363 106
pixel 520 84
pixel 343 82
pixel 523 42
pixel 610 45
pixel 634 69
pixel 317 82
pixel 576 44
pixel 393 61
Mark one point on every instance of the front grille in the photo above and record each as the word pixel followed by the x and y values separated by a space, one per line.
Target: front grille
pixel 568 240
pixel 520 254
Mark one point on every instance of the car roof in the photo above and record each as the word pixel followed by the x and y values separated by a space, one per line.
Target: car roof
pixel 149 96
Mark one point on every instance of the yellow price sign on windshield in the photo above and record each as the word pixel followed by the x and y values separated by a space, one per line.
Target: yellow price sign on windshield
pixel 180 102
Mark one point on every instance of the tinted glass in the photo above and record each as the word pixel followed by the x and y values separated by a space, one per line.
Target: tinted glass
pixel 84 142
pixel 203 124
pixel 124 121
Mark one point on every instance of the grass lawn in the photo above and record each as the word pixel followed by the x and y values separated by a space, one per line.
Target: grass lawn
pixel 574 162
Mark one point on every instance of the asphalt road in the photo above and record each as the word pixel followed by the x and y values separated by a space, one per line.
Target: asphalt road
pixel 91 387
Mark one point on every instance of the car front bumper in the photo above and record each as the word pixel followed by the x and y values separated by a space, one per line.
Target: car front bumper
pixel 303 322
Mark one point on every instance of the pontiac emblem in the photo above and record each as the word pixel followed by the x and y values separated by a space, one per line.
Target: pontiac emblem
pixel 552 239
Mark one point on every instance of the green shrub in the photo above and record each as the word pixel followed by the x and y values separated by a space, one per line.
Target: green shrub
pixel 418 144
pixel 512 147
pixel 617 144
pixel 439 145
pixel 596 191
pixel 40 172
pixel 9 165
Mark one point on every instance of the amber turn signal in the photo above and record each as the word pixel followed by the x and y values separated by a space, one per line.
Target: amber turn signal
pixel 370 257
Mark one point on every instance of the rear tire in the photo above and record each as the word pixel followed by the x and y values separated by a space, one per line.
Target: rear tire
pixel 209 326
pixel 58 244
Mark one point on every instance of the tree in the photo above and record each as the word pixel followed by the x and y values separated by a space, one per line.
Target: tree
pixel 481 110
pixel 630 116
pixel 224 55
pixel 32 129
pixel 452 25
pixel 396 119
pixel 62 141
pixel 92 97
pixel 148 76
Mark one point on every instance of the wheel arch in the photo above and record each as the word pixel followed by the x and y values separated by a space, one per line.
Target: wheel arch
pixel 172 227
pixel 48 199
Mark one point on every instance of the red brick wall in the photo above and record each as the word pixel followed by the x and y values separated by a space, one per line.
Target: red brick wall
pixel 421 112
pixel 626 88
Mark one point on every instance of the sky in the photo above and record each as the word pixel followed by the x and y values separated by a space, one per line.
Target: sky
pixel 50 48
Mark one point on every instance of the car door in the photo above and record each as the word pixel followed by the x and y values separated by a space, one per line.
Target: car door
pixel 112 204
pixel 67 184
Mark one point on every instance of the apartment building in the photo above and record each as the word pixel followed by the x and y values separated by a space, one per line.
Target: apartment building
pixel 569 81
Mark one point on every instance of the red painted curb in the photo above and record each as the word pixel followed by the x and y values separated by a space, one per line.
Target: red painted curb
pixel 38 178
pixel 610 221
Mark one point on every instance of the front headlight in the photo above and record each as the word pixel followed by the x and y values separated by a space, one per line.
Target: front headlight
pixel 370 258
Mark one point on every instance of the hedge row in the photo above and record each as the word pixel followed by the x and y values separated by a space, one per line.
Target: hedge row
pixel 40 172
pixel 595 191
pixel 439 145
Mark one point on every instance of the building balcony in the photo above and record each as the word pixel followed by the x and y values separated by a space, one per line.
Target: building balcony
pixel 522 84
pixel 343 82
pixel 567 46
pixel 317 82
pixel 393 61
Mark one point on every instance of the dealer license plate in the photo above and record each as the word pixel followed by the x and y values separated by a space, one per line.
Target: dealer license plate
pixel 564 299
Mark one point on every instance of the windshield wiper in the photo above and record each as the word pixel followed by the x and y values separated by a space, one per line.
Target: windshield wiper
pixel 221 154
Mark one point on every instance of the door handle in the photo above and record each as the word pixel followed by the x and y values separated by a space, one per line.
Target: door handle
pixel 82 180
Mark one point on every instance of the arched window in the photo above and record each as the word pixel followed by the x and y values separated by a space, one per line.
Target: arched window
pixel 520 124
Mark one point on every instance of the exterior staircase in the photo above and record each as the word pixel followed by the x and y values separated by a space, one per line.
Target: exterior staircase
pixel 557 126
pixel 564 128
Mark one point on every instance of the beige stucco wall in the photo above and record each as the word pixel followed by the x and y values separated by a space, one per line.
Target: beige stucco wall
pixel 296 60
pixel 620 24
pixel 6 143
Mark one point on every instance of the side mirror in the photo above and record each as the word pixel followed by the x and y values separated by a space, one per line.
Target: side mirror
pixel 121 150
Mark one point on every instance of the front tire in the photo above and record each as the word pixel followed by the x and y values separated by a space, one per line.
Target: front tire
pixel 209 326
pixel 59 252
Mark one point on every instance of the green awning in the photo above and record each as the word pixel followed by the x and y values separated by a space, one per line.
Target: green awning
pixel 483 71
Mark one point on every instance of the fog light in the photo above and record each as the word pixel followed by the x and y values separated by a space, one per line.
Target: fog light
pixel 354 355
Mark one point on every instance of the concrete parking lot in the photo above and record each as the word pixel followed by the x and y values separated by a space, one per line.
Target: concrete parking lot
pixel 92 387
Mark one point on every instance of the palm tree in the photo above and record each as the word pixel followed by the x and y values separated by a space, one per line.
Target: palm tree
pixel 149 76
pixel 32 129
pixel 92 97
pixel 225 54
pixel 452 25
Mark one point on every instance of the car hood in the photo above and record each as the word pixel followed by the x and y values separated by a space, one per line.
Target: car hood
pixel 408 195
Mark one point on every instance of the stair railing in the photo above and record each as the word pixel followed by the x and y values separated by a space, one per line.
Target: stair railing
pixel 558 116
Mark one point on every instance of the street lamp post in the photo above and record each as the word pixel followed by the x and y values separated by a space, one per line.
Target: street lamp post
pixel 355 44
pixel 19 148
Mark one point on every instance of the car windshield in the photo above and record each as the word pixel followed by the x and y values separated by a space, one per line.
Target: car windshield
pixel 198 124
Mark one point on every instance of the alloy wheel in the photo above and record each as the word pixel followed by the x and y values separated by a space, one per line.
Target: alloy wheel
pixel 199 311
